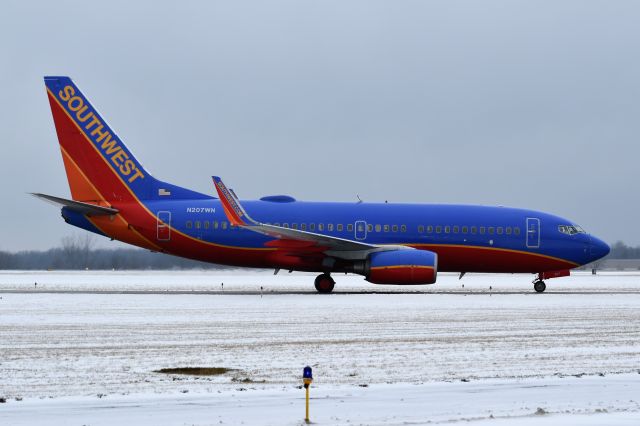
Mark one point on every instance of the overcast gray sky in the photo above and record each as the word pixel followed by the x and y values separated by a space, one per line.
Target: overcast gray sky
pixel 530 104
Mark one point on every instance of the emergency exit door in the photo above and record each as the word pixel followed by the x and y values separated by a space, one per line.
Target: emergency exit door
pixel 360 230
pixel 164 226
pixel 533 232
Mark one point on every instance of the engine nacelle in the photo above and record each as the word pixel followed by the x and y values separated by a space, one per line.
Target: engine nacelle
pixel 402 267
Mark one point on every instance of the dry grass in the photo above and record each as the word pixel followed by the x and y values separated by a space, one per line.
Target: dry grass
pixel 195 371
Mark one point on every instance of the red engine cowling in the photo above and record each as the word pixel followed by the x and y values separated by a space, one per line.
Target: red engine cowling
pixel 402 267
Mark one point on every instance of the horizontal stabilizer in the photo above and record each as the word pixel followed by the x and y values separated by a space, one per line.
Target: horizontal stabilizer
pixel 78 206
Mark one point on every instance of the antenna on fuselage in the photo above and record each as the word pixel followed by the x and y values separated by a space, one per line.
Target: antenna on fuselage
pixel 359 199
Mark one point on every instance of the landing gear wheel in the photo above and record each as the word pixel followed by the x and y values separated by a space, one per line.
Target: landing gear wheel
pixel 539 286
pixel 324 283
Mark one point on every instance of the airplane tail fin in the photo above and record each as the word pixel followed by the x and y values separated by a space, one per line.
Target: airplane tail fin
pixel 100 168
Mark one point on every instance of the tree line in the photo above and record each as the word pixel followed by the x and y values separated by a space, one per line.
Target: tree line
pixel 77 253
pixel 620 250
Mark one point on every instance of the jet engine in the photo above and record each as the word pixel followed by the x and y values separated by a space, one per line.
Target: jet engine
pixel 402 267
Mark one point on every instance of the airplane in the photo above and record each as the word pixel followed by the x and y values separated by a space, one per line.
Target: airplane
pixel 113 195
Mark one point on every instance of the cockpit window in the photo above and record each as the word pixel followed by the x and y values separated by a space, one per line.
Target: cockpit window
pixel 571 229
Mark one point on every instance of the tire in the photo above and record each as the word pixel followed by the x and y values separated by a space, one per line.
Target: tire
pixel 539 286
pixel 324 283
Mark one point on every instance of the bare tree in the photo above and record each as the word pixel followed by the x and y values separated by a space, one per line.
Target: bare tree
pixel 77 250
pixel 5 260
pixel 87 241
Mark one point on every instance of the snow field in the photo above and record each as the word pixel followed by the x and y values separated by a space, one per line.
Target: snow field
pixel 443 347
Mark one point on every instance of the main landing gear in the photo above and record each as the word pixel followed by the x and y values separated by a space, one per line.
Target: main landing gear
pixel 539 286
pixel 324 283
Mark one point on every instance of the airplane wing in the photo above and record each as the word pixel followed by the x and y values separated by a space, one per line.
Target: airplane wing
pixel 333 246
pixel 78 206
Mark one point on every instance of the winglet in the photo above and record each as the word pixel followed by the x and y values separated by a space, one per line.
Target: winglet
pixel 232 208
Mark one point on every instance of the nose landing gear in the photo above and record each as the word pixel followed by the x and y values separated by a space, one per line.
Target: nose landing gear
pixel 539 286
pixel 324 283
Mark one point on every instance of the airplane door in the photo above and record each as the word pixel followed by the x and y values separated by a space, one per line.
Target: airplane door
pixel 164 226
pixel 533 232
pixel 361 230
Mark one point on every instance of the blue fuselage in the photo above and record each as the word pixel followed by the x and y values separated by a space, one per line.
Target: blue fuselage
pixel 467 238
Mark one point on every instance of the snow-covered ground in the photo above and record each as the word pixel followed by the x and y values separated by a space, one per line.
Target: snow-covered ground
pixel 492 402
pixel 76 351
pixel 246 281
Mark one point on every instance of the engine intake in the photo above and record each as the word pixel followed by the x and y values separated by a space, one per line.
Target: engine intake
pixel 402 267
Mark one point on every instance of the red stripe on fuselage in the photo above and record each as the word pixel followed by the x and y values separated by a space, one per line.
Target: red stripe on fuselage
pixel 459 258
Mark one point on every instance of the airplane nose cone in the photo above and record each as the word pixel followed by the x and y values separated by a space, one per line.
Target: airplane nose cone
pixel 599 248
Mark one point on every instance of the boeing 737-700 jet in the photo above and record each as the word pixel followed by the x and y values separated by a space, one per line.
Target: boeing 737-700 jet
pixel 114 196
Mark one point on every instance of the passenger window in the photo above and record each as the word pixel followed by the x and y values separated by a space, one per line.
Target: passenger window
pixel 215 224
pixel 276 224
pixel 447 229
pixel 303 226
pixel 438 229
pixel 312 227
pixel 294 226
pixel 482 230
pixel 386 228
pixel 491 230
pixel 516 231
pixel 429 229
pixel 499 230
pixel 339 227
pixel 474 230
pixel 197 224
pixel 285 225
pixel 465 229
pixel 369 228
pixel 206 224
pixel 189 224
pixel 456 229
pixel 403 228
pixel 421 229
pixel 378 228
pixel 224 224
pixel 394 228
pixel 320 227
pixel 350 227
pixel 508 230
pixel 330 227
